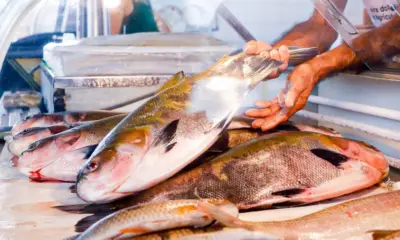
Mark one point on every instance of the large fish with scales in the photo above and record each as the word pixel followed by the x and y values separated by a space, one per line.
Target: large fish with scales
pixel 58 157
pixel 211 233
pixel 50 119
pixel 239 131
pixel 281 169
pixel 136 221
pixel 188 118
pixel 373 217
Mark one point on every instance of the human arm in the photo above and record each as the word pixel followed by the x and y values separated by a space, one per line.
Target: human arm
pixel 382 42
pixel 118 13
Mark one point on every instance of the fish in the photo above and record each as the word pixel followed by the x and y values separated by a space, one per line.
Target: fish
pixel 187 119
pixel 240 131
pixel 273 171
pixel 231 234
pixel 21 141
pixel 49 119
pixel 212 232
pixel 49 150
pixel 365 216
pixel 60 156
pixel 385 235
pixel 176 234
pixel 148 218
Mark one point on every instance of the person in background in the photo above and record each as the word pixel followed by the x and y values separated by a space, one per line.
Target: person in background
pixel 382 41
pixel 136 15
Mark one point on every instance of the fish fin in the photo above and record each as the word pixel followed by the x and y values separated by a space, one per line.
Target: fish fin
pixel 88 150
pixel 223 125
pixel 135 230
pixel 381 234
pixel 289 192
pixel 88 221
pixel 76 208
pixel 72 188
pixel 287 127
pixel 175 79
pixel 167 134
pixel 287 204
pixel 334 158
pixel 221 216
pixel 240 122
pixel 184 209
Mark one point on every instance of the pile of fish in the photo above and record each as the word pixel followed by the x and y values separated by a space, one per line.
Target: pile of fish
pixel 185 158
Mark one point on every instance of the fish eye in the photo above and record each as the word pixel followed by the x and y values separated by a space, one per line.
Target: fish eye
pixel 92 166
pixel 34 145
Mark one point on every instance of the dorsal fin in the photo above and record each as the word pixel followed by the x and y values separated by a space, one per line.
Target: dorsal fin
pixel 175 79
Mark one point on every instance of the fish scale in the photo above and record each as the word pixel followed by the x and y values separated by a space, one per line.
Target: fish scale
pixel 154 217
pixel 372 215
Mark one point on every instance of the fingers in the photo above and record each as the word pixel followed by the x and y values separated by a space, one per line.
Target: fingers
pixel 256 47
pixel 273 121
pixel 264 112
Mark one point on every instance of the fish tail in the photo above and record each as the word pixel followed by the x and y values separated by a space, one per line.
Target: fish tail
pixel 221 216
pixel 299 55
pixel 88 221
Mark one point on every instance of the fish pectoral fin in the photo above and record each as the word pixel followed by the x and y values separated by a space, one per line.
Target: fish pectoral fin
pixel 167 135
pixel 87 151
pixel 381 234
pixel 289 192
pixel 135 230
pixel 336 159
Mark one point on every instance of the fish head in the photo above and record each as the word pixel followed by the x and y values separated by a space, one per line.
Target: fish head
pixel 44 151
pixel 38 120
pixel 22 140
pixel 363 152
pixel 111 164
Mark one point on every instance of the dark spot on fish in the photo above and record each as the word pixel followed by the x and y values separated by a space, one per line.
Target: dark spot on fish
pixel 287 204
pixel 169 147
pixel 167 134
pixel 288 127
pixel 334 158
pixel 288 192
pixel 72 188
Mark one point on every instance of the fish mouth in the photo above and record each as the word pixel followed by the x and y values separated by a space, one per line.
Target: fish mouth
pixel 98 197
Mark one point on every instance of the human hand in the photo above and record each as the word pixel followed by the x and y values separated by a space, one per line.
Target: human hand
pixel 290 100
pixel 264 49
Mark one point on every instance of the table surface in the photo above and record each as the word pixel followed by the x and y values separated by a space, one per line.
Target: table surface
pixel 26 211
